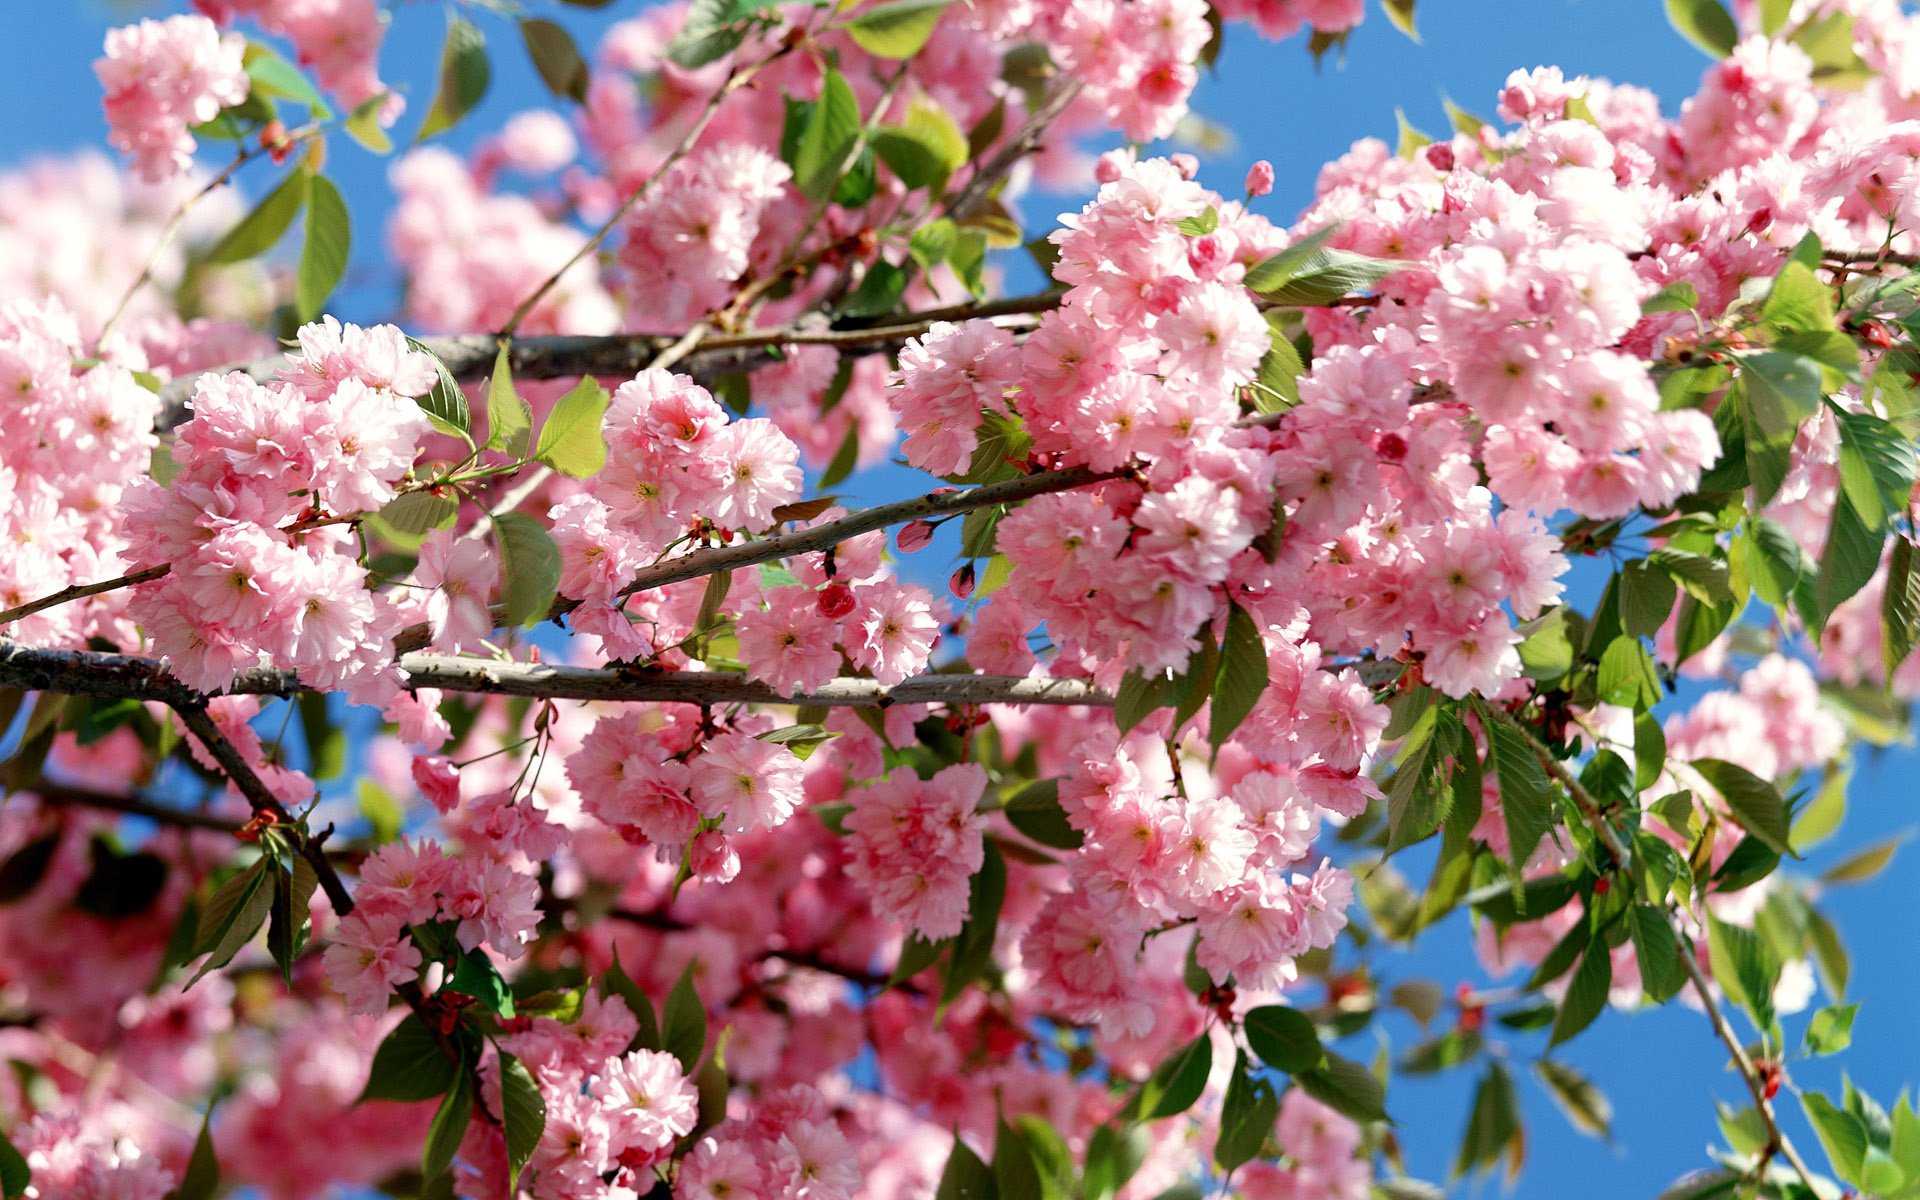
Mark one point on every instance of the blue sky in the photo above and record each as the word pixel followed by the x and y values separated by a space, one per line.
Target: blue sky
pixel 1662 1069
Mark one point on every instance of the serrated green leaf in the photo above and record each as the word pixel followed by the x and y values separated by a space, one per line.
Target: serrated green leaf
pixel 1705 23
pixel 523 1114
pixel 1347 1087
pixel 556 58
pixel 1035 811
pixel 1831 1029
pixel 446 403
pixel 1175 1084
pixel 572 441
pixel 896 30
pixel 509 418
pixel 448 1128
pixel 269 220
pixel 828 139
pixel 1744 967
pixel 201 1179
pixel 1584 1104
pixel 1754 802
pixel 1526 798
pixel 683 1025
pixel 1841 1133
pixel 464 76
pixel 1492 1122
pixel 1242 677
pixel 529 567
pixel 1247 1115
pixel 15 1174
pixel 291 921
pixel 1586 994
pixel 232 916
pixel 616 982
pixel 323 258
pixel 409 1065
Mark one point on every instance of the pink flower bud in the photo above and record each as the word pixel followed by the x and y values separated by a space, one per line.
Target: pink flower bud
pixel 836 600
pixel 962 581
pixel 914 535
pixel 1186 164
pixel 712 858
pixel 1260 179
pixel 438 780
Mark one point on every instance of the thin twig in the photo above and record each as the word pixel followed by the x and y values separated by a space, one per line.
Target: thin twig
pixel 161 814
pixel 736 79
pixel 81 591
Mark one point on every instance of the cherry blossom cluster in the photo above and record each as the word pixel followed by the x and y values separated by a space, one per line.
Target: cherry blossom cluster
pixel 339 40
pixel 160 78
pixel 81 438
pixel 256 569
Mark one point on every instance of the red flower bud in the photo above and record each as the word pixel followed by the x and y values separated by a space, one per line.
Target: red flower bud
pixel 836 600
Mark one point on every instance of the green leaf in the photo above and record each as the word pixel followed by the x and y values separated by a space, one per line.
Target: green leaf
pixel 260 229
pixel 1284 1039
pixel 1526 798
pixel 1325 276
pixel 409 1065
pixel 924 151
pixel 446 403
pixel 1277 383
pixel 1754 802
pixel 800 740
pixel 1585 1105
pixel 1113 1156
pixel 973 949
pixel 845 459
pixel 1035 811
pixel 556 58
pixel 464 76
pixel 1175 1084
pixel 1627 675
pixel 509 418
pixel 292 921
pixel 1782 390
pixel 1015 1174
pixel 879 293
pixel 714 29
pixel 1246 1117
pixel 1275 271
pixel 1744 967
pixel 1705 23
pixel 26 867
pixel 1899 608
pixel 571 442
pixel 475 975
pixel 896 30
pixel 448 1128
pixel 1675 297
pixel 616 982
pixel 1347 1087
pixel 15 1175
pixel 529 567
pixel 1831 1029
pixel 1705 579
pixel 683 1026
pixel 1661 973
pixel 201 1180
pixel 1775 565
pixel 323 259
pixel 1841 1133
pixel 1052 1161
pixel 1586 994
pixel 409 517
pixel 270 75
pixel 363 124
pixel 1859 868
pixel 828 139
pixel 1242 678
pixel 965 1176
pixel 1646 598
pixel 1400 12
pixel 1492 1123
pixel 523 1114
pixel 232 916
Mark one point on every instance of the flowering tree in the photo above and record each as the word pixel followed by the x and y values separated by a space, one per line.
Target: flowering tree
pixel 481 763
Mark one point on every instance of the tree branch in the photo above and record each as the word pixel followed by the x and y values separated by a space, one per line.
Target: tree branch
pixel 471 356
pixel 164 814
pixel 92 673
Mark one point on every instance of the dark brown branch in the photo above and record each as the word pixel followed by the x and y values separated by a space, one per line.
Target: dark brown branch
pixel 90 673
pixel 164 814
pixel 471 356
